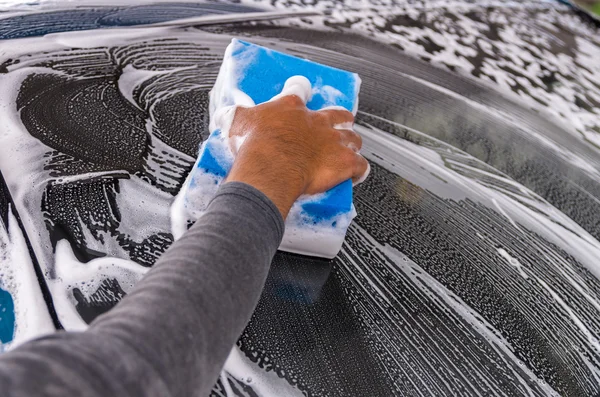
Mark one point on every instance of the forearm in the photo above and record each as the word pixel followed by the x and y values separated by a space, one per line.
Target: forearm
pixel 172 334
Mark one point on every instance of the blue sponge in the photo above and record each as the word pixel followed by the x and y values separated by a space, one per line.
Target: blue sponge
pixel 250 75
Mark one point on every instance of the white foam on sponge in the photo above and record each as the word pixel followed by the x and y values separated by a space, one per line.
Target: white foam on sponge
pixel 296 85
pixel 328 93
pixel 223 118
pixel 302 236
pixel 221 105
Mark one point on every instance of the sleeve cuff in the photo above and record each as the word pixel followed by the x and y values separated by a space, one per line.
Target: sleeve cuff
pixel 257 197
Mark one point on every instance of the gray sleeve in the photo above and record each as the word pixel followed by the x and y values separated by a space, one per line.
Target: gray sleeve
pixel 172 334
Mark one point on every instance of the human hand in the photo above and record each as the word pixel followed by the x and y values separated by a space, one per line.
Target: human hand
pixel 290 150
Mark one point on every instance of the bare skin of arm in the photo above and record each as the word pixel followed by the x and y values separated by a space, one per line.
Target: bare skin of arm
pixel 291 150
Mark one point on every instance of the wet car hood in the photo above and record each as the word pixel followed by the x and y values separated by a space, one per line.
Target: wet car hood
pixel 472 267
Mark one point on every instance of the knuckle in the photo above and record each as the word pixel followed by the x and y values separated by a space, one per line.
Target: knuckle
pixel 320 117
pixel 342 115
pixel 293 100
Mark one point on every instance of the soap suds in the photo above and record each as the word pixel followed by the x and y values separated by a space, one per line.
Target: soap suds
pixel 512 261
pixel 18 278
pixel 299 86
pixel 419 302
pixel 70 273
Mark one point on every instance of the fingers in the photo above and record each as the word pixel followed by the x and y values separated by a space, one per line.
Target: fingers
pixel 358 166
pixel 351 139
pixel 337 118
pixel 362 170
pixel 354 166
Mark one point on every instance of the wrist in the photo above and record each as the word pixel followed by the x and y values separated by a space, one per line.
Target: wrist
pixel 282 190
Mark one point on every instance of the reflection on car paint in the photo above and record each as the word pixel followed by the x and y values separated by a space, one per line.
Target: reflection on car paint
pixel 472 267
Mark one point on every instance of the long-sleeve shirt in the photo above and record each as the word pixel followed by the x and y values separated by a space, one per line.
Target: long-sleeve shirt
pixel 172 334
